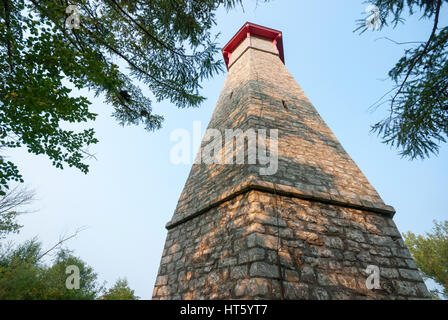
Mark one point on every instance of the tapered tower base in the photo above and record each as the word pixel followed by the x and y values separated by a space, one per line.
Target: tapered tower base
pixel 312 229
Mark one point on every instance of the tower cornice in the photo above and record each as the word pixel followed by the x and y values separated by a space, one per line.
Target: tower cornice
pixel 249 30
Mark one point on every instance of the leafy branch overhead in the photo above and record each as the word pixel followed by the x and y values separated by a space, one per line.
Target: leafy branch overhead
pixel 165 44
pixel 418 119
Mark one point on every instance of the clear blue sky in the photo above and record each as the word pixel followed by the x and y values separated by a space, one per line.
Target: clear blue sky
pixel 132 188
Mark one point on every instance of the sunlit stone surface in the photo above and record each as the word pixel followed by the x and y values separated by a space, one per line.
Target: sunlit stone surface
pixel 309 231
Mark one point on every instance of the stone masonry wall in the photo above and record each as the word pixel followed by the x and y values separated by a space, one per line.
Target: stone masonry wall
pixel 310 158
pixel 230 252
pixel 306 232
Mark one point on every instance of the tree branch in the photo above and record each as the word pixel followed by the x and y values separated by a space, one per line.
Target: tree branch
pixel 60 242
pixel 147 32
pixel 16 198
pixel 420 56
pixel 399 43
pixel 110 48
pixel 133 65
pixel 8 34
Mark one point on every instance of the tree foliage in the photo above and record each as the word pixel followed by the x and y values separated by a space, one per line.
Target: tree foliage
pixel 418 119
pixel 430 253
pixel 11 205
pixel 120 291
pixel 24 277
pixel 166 45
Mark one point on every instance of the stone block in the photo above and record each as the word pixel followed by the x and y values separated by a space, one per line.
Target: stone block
pixel 263 269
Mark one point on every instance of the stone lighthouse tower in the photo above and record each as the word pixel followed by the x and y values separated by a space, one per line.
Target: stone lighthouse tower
pixel 305 225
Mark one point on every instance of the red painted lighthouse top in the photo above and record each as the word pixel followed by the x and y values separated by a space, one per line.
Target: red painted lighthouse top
pixel 256 30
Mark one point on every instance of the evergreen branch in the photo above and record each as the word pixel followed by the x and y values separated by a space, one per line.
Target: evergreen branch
pixel 420 56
